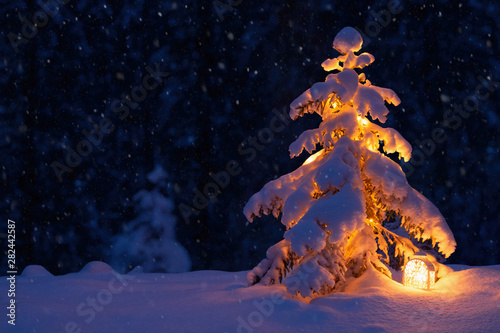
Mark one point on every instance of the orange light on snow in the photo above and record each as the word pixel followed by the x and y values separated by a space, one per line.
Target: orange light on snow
pixel 363 121
pixel 334 102
pixel 313 157
pixel 419 273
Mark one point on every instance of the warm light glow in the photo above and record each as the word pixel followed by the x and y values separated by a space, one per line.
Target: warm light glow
pixel 432 280
pixel 416 274
pixel 363 121
pixel 311 158
pixel 334 102
pixel 419 274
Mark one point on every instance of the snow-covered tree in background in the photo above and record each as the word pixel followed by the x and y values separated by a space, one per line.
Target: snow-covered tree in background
pixel 149 240
pixel 349 207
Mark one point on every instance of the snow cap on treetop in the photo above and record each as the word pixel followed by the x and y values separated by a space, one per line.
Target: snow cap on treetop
pixel 348 39
pixel 347 42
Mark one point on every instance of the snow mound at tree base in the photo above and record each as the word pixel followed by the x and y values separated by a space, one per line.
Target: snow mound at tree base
pixel 466 300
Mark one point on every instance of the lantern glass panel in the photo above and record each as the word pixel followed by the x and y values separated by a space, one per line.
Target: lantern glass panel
pixel 417 275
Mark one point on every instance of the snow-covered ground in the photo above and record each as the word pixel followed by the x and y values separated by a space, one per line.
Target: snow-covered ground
pixel 97 299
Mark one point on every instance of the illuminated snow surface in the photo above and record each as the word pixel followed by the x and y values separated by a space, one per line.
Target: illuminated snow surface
pixel 466 300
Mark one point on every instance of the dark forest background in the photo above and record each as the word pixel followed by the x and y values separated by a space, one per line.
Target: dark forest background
pixel 228 67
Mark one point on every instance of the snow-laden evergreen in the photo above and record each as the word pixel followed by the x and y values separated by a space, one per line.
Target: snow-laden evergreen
pixel 349 205
pixel 149 240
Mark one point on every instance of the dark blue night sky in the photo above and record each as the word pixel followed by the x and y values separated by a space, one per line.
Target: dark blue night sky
pixel 96 94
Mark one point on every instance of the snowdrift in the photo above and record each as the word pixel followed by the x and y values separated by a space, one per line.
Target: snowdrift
pixel 97 299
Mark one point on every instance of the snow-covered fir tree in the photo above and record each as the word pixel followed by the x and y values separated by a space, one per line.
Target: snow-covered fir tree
pixel 349 207
pixel 149 240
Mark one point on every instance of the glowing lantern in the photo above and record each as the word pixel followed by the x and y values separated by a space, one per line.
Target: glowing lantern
pixel 419 272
